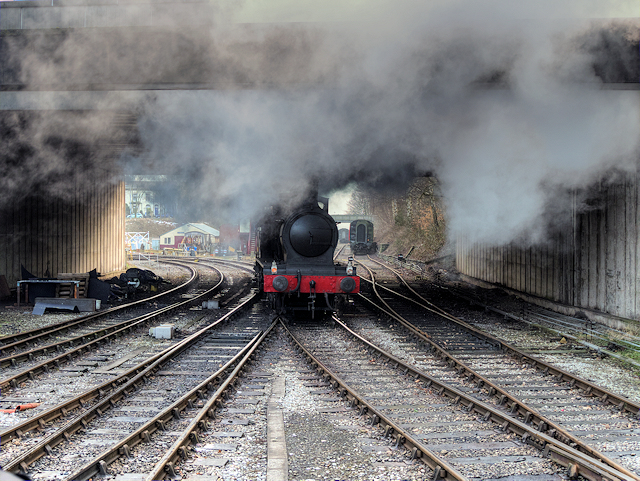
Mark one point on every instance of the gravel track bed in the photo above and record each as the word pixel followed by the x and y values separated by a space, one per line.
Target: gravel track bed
pixel 606 372
pixel 104 363
pixel 176 276
pixel 441 426
pixel 610 375
pixel 582 413
pixel 320 445
pixel 181 375
pixel 18 319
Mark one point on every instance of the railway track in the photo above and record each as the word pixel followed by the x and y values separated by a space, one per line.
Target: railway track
pixel 427 400
pixel 573 410
pixel 147 390
pixel 103 359
pixel 25 345
pixel 437 423
pixel 25 365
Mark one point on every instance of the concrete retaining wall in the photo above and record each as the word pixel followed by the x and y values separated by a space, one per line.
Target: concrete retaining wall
pixel 592 264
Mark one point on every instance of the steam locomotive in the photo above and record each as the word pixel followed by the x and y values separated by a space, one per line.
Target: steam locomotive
pixel 294 260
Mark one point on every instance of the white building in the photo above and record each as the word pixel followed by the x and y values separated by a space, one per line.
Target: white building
pixel 202 236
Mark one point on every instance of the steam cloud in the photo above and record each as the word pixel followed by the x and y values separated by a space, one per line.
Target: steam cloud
pixel 501 101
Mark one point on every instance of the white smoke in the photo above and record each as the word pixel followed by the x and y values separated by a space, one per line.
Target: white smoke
pixel 497 99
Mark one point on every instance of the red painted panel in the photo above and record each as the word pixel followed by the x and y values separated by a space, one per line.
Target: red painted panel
pixel 330 284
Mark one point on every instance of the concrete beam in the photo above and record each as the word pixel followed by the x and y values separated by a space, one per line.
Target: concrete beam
pixel 81 14
pixel 351 217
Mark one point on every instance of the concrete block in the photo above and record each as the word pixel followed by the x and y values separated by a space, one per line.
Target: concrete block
pixel 70 304
pixel 214 304
pixel 164 331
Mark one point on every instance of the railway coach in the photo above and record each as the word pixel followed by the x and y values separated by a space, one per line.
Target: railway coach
pixel 361 237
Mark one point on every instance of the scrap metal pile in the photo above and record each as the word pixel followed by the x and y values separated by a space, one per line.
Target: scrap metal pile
pixel 132 282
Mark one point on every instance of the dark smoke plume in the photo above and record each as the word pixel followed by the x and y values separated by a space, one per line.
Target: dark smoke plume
pixel 502 101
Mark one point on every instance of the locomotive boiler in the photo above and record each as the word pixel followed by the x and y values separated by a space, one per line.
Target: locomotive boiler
pixel 294 260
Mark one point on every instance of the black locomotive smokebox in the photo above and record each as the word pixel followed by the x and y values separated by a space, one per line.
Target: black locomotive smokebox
pixel 311 235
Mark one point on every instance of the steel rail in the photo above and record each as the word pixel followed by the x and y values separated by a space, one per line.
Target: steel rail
pixel 226 262
pixel 582 464
pixel 132 380
pixel 561 375
pixel 166 466
pixel 13 340
pixel 515 405
pixel 65 407
pixel 441 468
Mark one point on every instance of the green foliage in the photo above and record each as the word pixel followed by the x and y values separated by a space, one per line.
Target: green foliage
pixel 411 218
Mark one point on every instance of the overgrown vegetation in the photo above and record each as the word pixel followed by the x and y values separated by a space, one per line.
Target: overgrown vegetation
pixel 415 218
